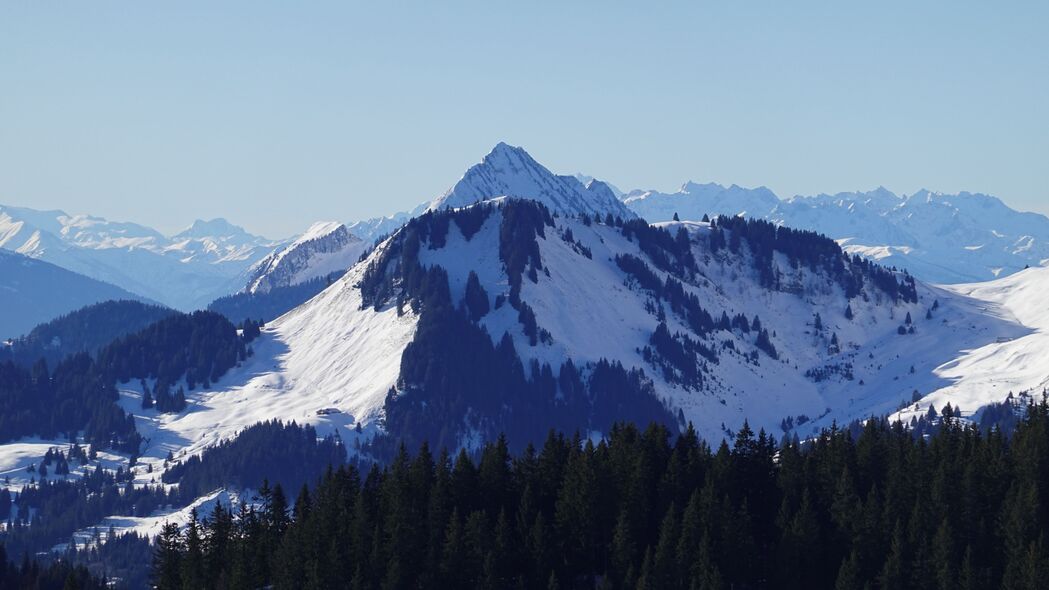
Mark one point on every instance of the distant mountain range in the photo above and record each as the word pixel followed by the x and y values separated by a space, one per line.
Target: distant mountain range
pixel 184 271
pixel 940 238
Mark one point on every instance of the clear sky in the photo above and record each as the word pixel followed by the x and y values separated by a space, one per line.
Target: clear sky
pixel 277 114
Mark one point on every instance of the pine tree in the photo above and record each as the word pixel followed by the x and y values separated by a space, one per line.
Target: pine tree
pixel 892 575
pixel 849 574
pixel 193 557
pixel 476 298
pixel 167 559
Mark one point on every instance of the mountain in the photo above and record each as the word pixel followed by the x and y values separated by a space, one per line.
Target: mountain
pixel 85 330
pixel 586 179
pixel 938 237
pixel 506 316
pixel 501 317
pixel 375 228
pixel 185 271
pixel 693 201
pixel 33 292
pixel 510 172
pixel 708 323
pixel 325 248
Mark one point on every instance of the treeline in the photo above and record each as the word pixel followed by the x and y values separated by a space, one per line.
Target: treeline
pixel 271 304
pixel 84 330
pixel 286 453
pixel 80 393
pixel 810 249
pixel 57 575
pixel 639 510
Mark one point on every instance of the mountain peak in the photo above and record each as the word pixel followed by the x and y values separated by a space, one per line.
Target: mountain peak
pixel 509 171
pixel 210 228
pixel 504 148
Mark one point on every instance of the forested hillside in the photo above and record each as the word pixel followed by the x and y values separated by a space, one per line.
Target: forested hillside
pixel 85 330
pixel 270 304
pixel 962 509
pixel 79 394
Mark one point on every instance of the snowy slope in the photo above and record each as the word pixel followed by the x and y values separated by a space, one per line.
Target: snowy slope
pixel 592 314
pixel 328 353
pixel 185 271
pixel 33 292
pixel 940 238
pixel 326 247
pixel 1014 363
pixel 509 171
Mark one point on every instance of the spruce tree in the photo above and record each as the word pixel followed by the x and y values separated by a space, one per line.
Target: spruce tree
pixel 167 559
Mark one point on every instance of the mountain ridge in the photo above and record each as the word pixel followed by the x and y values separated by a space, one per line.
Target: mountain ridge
pixel 942 238
pixel 185 271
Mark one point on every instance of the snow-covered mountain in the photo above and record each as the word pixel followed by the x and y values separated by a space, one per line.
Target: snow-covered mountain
pixel 938 237
pixel 326 247
pixel 33 292
pixel 509 171
pixel 185 271
pixel 372 229
pixel 586 179
pixel 497 315
pixel 727 321
pixel 722 330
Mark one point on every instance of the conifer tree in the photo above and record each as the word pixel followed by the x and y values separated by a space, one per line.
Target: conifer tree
pixel 167 560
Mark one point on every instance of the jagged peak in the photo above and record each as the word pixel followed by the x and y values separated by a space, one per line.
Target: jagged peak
pixel 510 171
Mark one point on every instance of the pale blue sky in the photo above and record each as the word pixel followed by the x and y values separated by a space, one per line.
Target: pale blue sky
pixel 276 114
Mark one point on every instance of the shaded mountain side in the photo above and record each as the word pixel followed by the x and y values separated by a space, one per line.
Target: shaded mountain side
pixel 85 330
pixel 33 292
